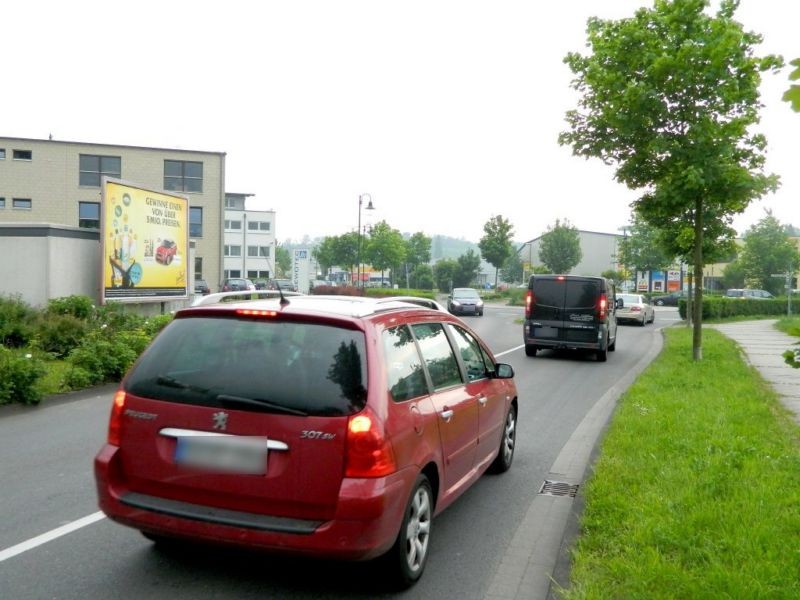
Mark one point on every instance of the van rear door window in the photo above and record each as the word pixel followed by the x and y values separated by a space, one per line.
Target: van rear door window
pixel 581 294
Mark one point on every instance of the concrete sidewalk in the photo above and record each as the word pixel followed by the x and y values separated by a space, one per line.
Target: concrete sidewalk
pixel 763 346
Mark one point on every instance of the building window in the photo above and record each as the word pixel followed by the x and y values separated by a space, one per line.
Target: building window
pixel 233 225
pixel 92 167
pixel 89 215
pixel 2 153
pixel 198 267
pixel 23 154
pixel 195 222
pixel 229 203
pixel 183 176
pixel 231 273
pixel 258 274
pixel 2 202
pixel 233 250
pixel 258 251
pixel 25 203
pixel 259 225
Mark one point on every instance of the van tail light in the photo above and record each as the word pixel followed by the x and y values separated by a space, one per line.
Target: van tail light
pixel 530 300
pixel 369 453
pixel 602 307
pixel 115 423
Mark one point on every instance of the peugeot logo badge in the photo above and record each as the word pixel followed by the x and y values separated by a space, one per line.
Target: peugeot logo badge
pixel 221 420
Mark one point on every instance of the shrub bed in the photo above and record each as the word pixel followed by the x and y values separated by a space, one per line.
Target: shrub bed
pixel 719 307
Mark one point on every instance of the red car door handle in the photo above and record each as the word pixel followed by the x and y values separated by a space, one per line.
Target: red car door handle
pixel 483 400
pixel 447 414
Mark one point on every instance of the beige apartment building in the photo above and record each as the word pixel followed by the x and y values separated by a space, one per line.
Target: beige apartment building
pixel 53 182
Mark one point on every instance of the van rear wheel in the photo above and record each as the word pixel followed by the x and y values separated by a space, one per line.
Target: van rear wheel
pixel 602 354
pixel 530 350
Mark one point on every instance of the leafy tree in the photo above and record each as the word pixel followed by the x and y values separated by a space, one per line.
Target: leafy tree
pixel 792 95
pixel 444 272
pixel 418 252
pixel 385 248
pixel 495 244
pixel 733 275
pixel 768 250
pixel 325 255
pixel 512 269
pixel 616 276
pixel 669 96
pixel 643 249
pixel 422 277
pixel 283 261
pixel 469 265
pixel 560 247
pixel 345 249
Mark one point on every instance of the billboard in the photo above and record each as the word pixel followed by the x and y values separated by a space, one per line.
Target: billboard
pixel 144 243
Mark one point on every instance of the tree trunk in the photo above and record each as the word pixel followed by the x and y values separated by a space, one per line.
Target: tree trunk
pixel 496 269
pixel 697 317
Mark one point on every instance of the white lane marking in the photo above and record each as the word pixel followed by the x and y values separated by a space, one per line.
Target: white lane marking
pixel 50 536
pixel 509 351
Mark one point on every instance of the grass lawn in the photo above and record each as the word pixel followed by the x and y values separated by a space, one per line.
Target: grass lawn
pixel 696 493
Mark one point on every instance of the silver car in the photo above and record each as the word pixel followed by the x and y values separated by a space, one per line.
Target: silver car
pixel 635 308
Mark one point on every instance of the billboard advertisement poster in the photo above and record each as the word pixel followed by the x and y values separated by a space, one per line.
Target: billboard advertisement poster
pixel 659 281
pixel 642 280
pixel 144 243
pixel 300 270
pixel 673 281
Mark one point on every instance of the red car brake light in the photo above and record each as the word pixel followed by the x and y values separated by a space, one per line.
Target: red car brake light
pixel 115 422
pixel 602 307
pixel 369 453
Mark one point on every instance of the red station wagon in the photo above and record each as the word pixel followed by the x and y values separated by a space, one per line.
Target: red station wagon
pixel 326 426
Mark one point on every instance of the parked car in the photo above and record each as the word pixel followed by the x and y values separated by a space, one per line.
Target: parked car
pixel 166 252
pixel 670 299
pixel 236 284
pixel 243 296
pixel 201 287
pixel 261 284
pixel 328 426
pixel 572 312
pixel 749 294
pixel 633 307
pixel 284 284
pixel 465 301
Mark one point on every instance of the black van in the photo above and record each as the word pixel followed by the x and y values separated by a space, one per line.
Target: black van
pixel 567 311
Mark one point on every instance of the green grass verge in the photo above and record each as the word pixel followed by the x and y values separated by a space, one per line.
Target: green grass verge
pixel 790 325
pixel 696 493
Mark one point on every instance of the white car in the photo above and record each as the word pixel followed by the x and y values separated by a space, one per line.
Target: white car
pixel 635 308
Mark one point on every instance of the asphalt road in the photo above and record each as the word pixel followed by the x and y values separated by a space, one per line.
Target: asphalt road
pixel 47 484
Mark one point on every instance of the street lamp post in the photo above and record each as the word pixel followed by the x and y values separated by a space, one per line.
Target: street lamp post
pixel 369 206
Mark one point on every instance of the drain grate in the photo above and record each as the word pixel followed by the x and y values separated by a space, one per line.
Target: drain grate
pixel 558 488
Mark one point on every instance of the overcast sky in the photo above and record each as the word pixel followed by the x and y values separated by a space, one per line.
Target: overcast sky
pixel 446 113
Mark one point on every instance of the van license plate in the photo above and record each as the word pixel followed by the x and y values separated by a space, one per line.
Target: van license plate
pixel 227 454
pixel 546 332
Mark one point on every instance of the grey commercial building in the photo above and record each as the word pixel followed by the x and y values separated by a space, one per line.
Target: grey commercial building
pixel 51 189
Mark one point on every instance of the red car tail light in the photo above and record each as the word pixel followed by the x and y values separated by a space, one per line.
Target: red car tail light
pixel 636 309
pixel 602 307
pixel 115 422
pixel 369 453
pixel 530 300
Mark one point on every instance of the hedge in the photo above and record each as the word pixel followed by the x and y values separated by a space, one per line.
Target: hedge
pixel 719 307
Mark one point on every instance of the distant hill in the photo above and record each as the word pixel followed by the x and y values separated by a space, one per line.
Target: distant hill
pixel 443 246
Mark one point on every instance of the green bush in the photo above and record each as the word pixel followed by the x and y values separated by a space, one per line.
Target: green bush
pixel 106 357
pixel 78 378
pixel 60 333
pixel 386 292
pixel 18 375
pixel 80 307
pixel 720 307
pixel 155 324
pixel 116 317
pixel 337 290
pixel 16 321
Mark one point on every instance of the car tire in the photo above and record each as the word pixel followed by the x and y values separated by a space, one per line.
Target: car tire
pixel 505 454
pixel 602 354
pixel 530 350
pixel 613 345
pixel 644 320
pixel 407 558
